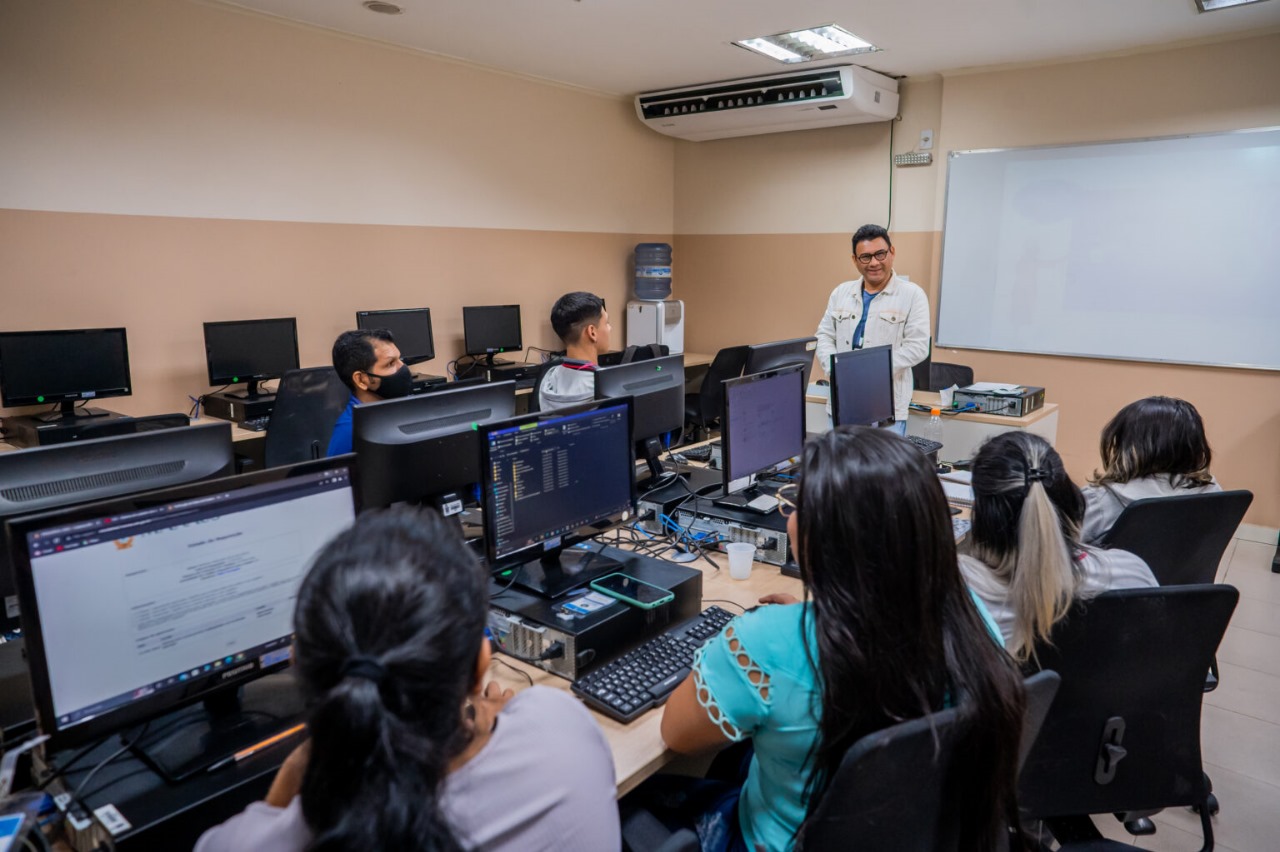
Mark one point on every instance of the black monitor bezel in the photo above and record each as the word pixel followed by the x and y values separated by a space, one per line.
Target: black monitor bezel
pixel 763 357
pixel 498 562
pixel 461 439
pixel 854 355
pixel 144 709
pixel 240 379
pixel 623 374
pixel 726 447
pixel 467 339
pixel 412 358
pixel 10 400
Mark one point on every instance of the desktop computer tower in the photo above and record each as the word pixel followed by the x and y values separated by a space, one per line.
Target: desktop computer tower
pixel 28 431
pixel 224 406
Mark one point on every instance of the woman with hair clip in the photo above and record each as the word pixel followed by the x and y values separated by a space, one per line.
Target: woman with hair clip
pixel 1155 447
pixel 1023 556
pixel 406 752
pixel 888 633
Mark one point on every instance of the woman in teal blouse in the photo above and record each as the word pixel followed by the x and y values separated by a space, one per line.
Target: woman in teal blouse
pixel 888 633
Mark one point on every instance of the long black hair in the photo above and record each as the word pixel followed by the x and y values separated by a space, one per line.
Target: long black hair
pixel 388 628
pixel 898 635
pixel 1154 436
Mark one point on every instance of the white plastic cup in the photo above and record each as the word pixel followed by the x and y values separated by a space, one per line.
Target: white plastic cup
pixel 741 555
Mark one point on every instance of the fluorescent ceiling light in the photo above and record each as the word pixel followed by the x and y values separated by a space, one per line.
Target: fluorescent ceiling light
pixel 816 43
pixel 1214 5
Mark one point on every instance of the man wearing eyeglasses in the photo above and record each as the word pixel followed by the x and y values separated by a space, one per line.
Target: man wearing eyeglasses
pixel 877 309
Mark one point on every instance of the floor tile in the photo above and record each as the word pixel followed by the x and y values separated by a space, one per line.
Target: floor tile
pixel 1241 743
pixel 1246 691
pixel 1251 649
pixel 1249 818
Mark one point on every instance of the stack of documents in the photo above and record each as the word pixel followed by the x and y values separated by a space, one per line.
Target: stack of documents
pixel 958 486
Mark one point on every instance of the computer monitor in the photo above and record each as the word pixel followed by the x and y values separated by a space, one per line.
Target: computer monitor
pixel 491 329
pixel 44 478
pixel 762 426
pixel 64 367
pixel 862 387
pixel 138 606
pixel 411 327
pixel 551 480
pixel 656 388
pixel 426 448
pixel 762 357
pixel 250 351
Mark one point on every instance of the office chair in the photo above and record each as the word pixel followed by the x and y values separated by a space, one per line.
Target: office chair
pixel 308 403
pixel 1123 734
pixel 131 425
pixel 702 409
pixel 643 353
pixel 945 375
pixel 1181 538
pixel 535 396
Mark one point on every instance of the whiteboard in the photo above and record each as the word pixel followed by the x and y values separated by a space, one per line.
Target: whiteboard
pixel 1147 250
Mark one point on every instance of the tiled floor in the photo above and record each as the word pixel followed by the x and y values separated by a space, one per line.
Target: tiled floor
pixel 1241 718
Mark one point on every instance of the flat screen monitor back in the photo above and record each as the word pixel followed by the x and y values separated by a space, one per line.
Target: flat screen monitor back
pixel 781 353
pixel 250 350
pixel 411 327
pixel 425 446
pixel 657 387
pixel 38 367
pixel 63 475
pixel 489 329
pixel 862 387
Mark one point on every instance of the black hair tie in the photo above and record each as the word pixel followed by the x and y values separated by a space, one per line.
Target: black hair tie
pixel 1036 474
pixel 363 667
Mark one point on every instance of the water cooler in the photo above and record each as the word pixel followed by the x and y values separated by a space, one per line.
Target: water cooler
pixel 652 316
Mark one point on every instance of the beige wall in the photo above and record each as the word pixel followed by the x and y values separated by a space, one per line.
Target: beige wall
pixel 167 163
pixel 765 274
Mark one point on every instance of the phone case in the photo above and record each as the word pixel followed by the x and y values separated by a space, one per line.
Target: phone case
pixel 667 597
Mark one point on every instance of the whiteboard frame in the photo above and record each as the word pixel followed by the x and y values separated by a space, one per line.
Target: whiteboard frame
pixel 942 249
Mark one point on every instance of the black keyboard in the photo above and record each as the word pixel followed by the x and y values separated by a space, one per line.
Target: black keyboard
pixel 924 444
pixel 698 454
pixel 257 424
pixel 643 678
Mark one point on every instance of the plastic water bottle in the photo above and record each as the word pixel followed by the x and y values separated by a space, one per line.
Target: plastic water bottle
pixel 653 271
pixel 934 430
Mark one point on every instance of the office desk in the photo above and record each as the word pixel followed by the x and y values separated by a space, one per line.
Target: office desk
pixel 638 750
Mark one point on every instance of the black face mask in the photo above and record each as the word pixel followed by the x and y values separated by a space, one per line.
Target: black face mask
pixel 394 386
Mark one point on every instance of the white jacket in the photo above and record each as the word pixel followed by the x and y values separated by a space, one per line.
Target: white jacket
pixel 898 316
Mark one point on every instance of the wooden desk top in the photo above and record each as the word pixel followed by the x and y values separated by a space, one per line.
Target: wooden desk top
pixel 638 750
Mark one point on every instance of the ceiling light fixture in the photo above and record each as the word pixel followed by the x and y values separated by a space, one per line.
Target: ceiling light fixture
pixel 818 43
pixel 382 8
pixel 1215 5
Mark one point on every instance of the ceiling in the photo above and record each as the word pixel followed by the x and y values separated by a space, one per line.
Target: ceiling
pixel 623 48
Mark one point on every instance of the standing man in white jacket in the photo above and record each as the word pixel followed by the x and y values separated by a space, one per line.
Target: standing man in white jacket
pixel 876 309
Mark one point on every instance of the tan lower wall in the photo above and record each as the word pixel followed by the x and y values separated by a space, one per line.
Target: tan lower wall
pixel 162 277
pixel 755 287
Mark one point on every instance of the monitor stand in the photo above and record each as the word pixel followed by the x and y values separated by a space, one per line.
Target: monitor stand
pixel 68 413
pixel 740 498
pixel 560 571
pixel 251 392
pixel 200 738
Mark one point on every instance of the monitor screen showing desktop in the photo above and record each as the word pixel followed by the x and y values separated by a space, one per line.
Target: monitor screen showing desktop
pixel 250 351
pixel 141 605
pixel 762 357
pixel 550 480
pixel 45 478
pixel 425 447
pixel 490 329
pixel 862 387
pixel 656 388
pixel 763 424
pixel 411 327
pixel 64 367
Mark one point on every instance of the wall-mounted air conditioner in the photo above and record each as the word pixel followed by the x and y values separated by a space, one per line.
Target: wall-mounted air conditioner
pixel 799 100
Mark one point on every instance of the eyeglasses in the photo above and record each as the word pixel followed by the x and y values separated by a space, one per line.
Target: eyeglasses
pixel 787 500
pixel 867 258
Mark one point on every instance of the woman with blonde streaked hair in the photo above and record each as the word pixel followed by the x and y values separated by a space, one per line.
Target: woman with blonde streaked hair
pixel 1024 556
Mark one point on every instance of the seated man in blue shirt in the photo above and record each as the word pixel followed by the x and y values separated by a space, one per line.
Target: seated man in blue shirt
pixel 368 362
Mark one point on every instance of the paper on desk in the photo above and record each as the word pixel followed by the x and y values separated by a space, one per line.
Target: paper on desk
pixel 958 493
pixel 820 390
pixel 995 387
pixel 945 395
pixel 954 475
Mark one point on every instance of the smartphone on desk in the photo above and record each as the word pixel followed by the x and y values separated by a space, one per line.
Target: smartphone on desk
pixel 628 589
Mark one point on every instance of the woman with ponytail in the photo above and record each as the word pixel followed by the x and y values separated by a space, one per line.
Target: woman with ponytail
pixel 405 749
pixel 889 633
pixel 1024 556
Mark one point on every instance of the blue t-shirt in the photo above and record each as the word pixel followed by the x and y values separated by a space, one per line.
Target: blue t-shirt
pixel 340 443
pixel 782 725
pixel 862 321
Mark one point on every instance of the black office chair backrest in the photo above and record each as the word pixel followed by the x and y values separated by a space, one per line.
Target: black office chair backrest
pixel 1181 538
pixel 535 397
pixel 644 353
pixel 1123 733
pixel 131 425
pixel 1042 688
pixel 704 406
pixel 308 403
pixel 945 375
pixel 892 791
